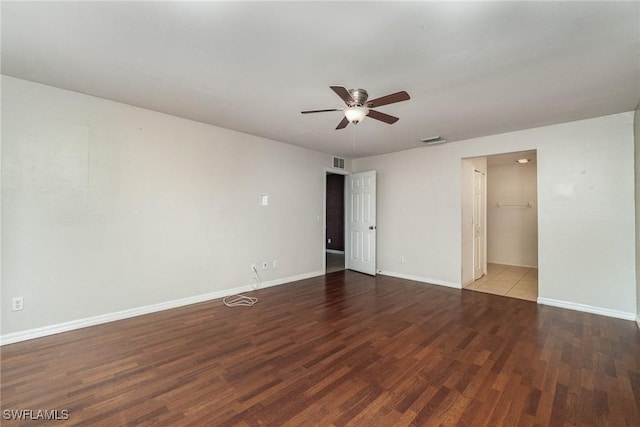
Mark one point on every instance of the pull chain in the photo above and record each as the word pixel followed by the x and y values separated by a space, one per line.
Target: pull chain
pixel 353 146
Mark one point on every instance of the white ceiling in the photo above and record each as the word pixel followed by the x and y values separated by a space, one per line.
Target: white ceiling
pixel 472 69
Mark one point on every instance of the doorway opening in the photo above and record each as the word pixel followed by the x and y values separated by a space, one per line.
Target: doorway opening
pixel 334 227
pixel 500 225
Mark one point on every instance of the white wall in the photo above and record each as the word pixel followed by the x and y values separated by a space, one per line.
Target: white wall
pixel 585 210
pixel 636 136
pixel 512 232
pixel 108 207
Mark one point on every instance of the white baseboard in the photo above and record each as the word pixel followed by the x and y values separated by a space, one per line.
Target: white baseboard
pixel 421 279
pixel 638 320
pixel 334 251
pixel 139 311
pixel 588 308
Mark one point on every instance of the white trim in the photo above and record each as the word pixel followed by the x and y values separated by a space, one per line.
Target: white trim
pixel 139 311
pixel 638 320
pixel 587 308
pixel 333 251
pixel 421 279
pixel 336 170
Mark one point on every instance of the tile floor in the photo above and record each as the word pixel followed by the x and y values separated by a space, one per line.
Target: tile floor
pixel 335 262
pixel 509 281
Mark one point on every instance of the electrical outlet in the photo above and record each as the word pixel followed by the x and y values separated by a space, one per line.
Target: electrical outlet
pixel 401 260
pixel 328 240
pixel 254 267
pixel 265 265
pixel 275 264
pixel 17 304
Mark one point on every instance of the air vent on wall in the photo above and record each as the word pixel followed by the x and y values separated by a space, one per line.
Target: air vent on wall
pixel 338 163
pixel 434 140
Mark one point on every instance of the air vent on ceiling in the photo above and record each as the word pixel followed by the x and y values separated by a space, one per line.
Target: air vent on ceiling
pixel 434 140
pixel 338 163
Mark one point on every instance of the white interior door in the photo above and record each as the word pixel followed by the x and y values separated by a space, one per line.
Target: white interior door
pixel 360 254
pixel 479 224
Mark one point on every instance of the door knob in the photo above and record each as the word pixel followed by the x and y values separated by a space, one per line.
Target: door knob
pixel 372 227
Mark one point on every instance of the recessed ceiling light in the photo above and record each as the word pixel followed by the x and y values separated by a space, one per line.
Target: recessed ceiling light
pixel 523 160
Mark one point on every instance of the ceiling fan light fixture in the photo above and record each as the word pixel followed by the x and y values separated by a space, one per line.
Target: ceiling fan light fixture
pixel 355 114
pixel 358 106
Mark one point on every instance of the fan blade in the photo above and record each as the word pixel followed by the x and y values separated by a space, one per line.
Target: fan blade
pixel 382 117
pixel 344 94
pixel 320 111
pixel 343 124
pixel 389 99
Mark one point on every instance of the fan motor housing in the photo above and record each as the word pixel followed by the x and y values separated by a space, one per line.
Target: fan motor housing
pixel 360 96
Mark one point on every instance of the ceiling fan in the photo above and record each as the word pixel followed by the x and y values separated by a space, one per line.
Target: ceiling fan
pixel 358 107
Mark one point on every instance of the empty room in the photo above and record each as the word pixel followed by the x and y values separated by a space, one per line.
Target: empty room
pixel 320 213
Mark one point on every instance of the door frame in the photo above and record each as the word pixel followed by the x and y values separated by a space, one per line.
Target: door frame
pixel 328 170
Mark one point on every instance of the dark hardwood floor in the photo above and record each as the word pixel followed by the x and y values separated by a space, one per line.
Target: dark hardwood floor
pixel 335 350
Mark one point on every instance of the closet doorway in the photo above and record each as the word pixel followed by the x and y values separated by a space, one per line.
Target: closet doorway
pixel 334 228
pixel 510 229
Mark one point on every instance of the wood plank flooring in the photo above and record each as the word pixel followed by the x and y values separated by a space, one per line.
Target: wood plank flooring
pixel 342 349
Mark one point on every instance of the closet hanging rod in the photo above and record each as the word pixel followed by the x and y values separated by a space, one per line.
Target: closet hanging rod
pixel 515 205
